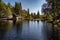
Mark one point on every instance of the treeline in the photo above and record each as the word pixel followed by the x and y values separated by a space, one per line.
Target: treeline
pixel 7 10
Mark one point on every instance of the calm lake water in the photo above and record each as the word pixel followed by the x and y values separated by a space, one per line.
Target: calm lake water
pixel 26 30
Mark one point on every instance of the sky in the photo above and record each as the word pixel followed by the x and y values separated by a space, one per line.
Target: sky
pixel 33 5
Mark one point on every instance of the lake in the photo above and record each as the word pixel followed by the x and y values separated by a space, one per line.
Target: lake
pixel 24 30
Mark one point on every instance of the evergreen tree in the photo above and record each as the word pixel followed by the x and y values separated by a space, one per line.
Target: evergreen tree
pixel 28 14
pixel 38 14
pixel 32 14
pixel 9 5
pixel 35 16
pixel 18 8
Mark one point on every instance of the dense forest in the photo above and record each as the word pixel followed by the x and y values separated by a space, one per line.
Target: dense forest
pixel 7 11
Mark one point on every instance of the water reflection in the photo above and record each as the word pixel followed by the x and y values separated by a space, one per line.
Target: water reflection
pixel 18 29
pixel 4 26
pixel 23 30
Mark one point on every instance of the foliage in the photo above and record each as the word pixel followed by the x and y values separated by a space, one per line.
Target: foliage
pixel 7 10
pixel 51 8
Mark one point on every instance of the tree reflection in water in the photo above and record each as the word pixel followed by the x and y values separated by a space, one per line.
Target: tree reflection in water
pixel 18 29
pixel 4 26
pixel 23 30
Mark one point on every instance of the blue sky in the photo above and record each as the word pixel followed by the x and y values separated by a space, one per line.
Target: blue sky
pixel 33 5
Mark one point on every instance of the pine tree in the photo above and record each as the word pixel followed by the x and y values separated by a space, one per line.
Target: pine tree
pixel 38 14
pixel 28 12
pixel 18 8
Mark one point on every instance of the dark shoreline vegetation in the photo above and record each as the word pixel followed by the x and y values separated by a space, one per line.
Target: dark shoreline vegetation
pixel 50 10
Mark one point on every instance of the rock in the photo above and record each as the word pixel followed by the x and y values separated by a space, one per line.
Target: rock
pixel 55 25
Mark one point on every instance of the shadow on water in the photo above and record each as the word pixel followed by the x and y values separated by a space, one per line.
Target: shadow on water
pixel 55 32
pixel 47 28
pixel 18 29
pixel 52 31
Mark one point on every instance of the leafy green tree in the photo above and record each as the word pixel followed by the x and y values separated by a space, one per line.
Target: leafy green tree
pixel 55 5
pixel 2 8
pixel 8 12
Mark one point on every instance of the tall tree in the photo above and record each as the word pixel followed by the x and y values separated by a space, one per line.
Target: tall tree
pixel 28 14
pixel 55 4
pixel 18 8
pixel 38 14
pixel 34 15
pixel 9 5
